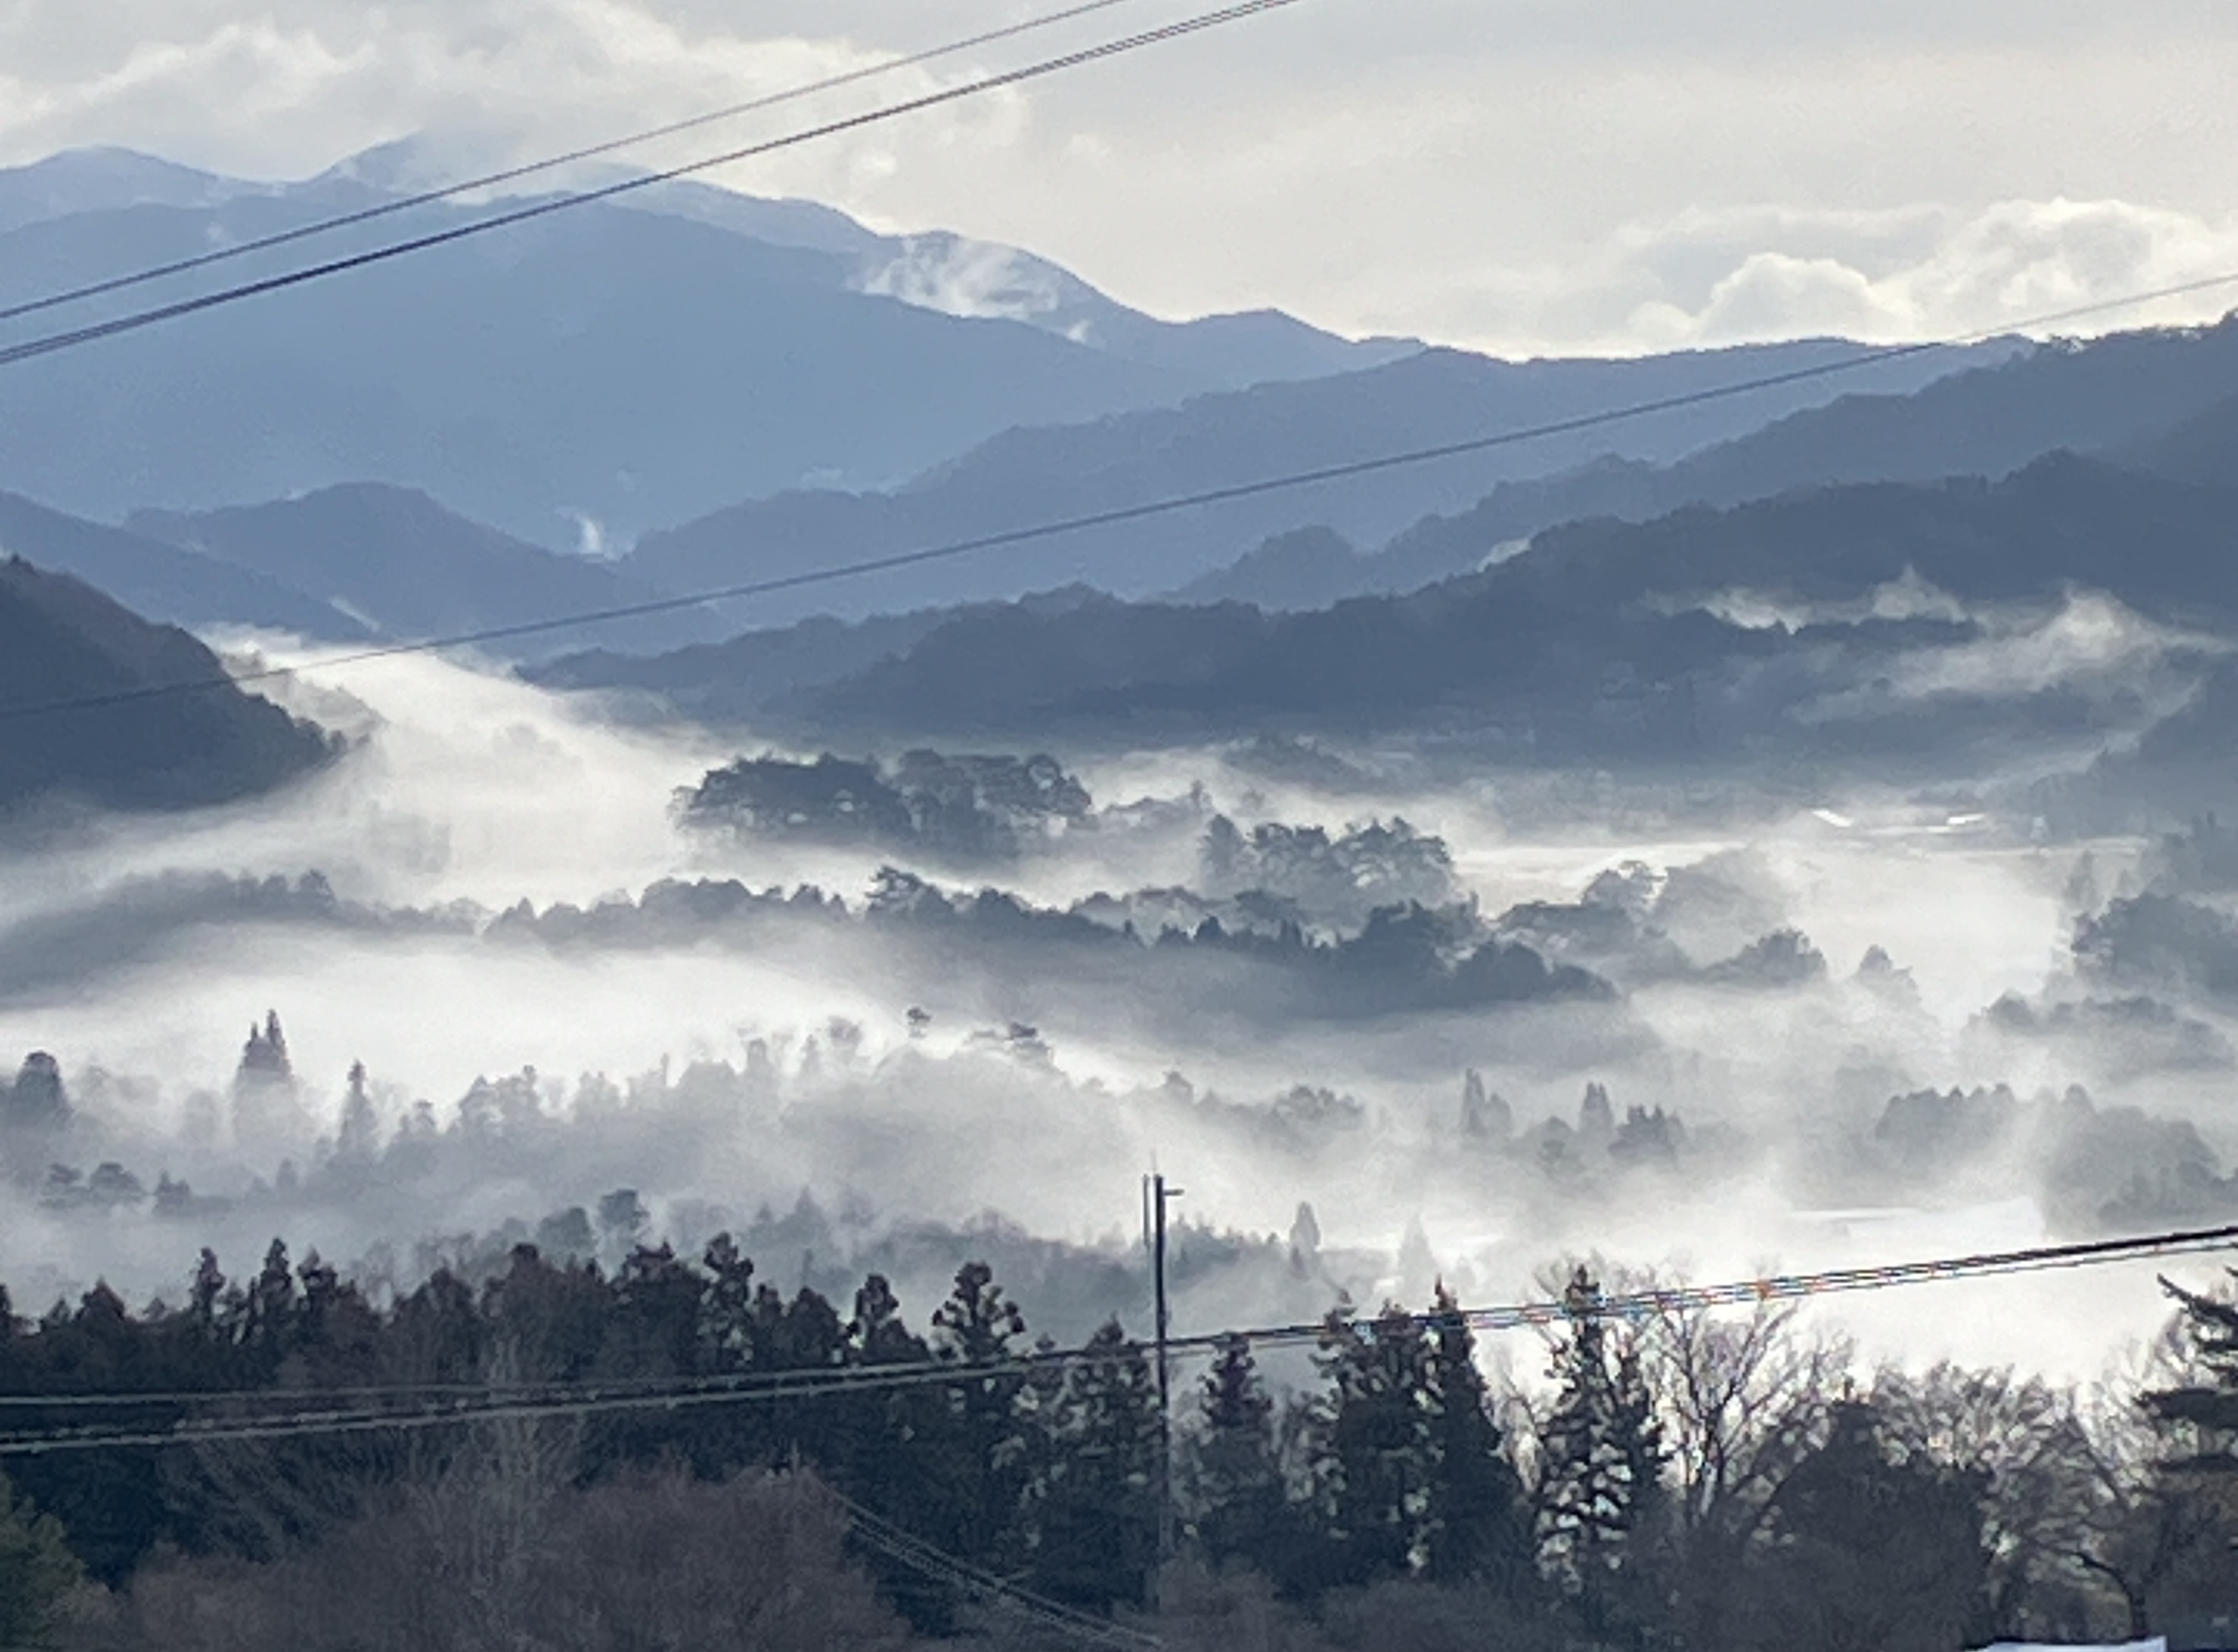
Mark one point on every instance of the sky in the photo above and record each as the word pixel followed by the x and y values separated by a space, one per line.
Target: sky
pixel 1524 175
pixel 1521 176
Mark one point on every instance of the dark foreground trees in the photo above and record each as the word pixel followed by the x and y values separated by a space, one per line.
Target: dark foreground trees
pixel 654 1561
pixel 758 1470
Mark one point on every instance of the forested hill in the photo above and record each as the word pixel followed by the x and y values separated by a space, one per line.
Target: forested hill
pixel 2158 400
pixel 62 641
pixel 1215 440
pixel 1703 633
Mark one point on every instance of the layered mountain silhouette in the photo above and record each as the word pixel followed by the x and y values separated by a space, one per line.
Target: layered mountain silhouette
pixel 1810 623
pixel 585 377
pixel 398 564
pixel 1029 476
pixel 599 374
pixel 198 741
pixel 348 564
pixel 2160 399
pixel 164 581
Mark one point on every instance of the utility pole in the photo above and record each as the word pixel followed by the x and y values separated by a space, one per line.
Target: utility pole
pixel 1155 1196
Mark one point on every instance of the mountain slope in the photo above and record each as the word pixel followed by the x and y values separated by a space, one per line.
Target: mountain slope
pixel 2202 448
pixel 98 180
pixel 2115 396
pixel 591 375
pixel 406 568
pixel 166 582
pixel 1895 620
pixel 951 274
pixel 1031 475
pixel 616 367
pixel 61 639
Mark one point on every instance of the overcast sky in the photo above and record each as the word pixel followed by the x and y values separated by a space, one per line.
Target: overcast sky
pixel 1518 174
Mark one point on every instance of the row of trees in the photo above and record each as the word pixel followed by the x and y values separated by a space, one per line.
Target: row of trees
pixel 1688 1479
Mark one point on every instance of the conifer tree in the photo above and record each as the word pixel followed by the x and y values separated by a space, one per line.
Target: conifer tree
pixel 357 1142
pixel 37 1103
pixel 1476 1527
pixel 1600 1465
pixel 1231 1479
pixel 978 1459
pixel 2208 1409
pixel 1379 1444
pixel 1089 1461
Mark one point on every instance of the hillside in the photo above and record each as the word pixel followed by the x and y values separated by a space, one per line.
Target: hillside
pixel 1896 624
pixel 1026 476
pixel 2117 395
pixel 591 374
pixel 403 565
pixel 166 582
pixel 61 639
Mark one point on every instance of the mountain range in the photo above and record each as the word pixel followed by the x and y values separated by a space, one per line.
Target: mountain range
pixel 2160 399
pixel 354 563
pixel 601 374
pixel 1693 580
pixel 574 381
pixel 1032 476
pixel 1940 626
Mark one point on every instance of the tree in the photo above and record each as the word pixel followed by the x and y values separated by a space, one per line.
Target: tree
pixel 1378 1443
pixel 39 1576
pixel 2021 1441
pixel 36 1104
pixel 644 1560
pixel 978 1460
pixel 1870 1551
pixel 357 1142
pixel 2207 1408
pixel 1475 1528
pixel 2198 1419
pixel 267 1105
pixel 1088 1510
pixel 2140 1526
pixel 1230 1480
pixel 1741 1399
pixel 1599 1499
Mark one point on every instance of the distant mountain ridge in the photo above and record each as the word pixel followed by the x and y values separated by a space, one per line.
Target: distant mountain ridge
pixel 591 375
pixel 1025 476
pixel 1783 629
pixel 358 563
pixel 169 583
pixel 398 564
pixel 2159 399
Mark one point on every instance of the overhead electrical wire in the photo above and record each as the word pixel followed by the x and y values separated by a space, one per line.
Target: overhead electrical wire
pixel 591 1399
pixel 52 343
pixel 530 169
pixel 937 1563
pixel 1119 515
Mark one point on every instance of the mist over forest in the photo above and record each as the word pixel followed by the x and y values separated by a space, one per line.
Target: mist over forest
pixel 1801 834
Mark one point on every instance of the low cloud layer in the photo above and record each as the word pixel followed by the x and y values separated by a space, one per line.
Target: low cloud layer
pixel 1872 1006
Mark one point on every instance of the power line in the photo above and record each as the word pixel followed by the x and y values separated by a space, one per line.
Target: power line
pixel 1649 1304
pixel 943 1567
pixel 1120 515
pixel 31 349
pixel 563 1401
pixel 592 1402
pixel 514 174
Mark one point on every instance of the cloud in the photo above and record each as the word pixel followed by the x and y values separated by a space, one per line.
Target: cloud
pixel 1927 271
pixel 1523 176
pixel 969 278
